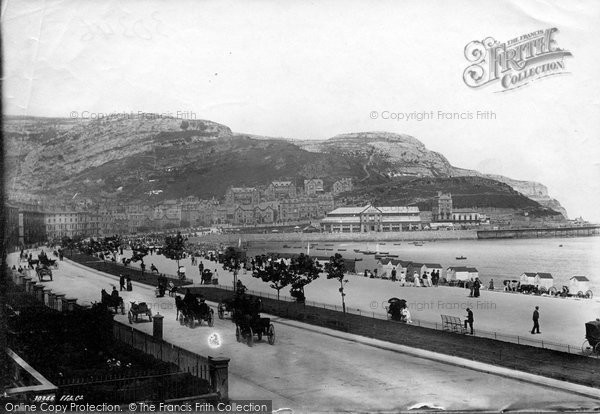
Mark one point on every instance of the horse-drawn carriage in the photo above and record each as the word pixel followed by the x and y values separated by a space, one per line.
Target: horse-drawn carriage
pixel 138 309
pixel 43 271
pixel 193 309
pixel 113 302
pixel 246 316
pixel 45 261
pixel 592 338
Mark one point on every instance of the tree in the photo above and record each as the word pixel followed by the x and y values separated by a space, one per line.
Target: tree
pixel 174 247
pixel 277 274
pixel 232 261
pixel 336 269
pixel 305 270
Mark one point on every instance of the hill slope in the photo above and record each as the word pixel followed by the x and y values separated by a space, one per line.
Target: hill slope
pixel 155 158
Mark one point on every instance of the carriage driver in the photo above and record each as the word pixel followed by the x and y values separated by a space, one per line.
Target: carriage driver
pixel 189 299
pixel 115 294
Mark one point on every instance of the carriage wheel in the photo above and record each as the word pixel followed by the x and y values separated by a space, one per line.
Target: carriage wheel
pixel 250 337
pixel 130 317
pixel 181 319
pixel 586 348
pixel 580 294
pixel 597 350
pixel 589 294
pixel 543 290
pixel 220 311
pixel 552 291
pixel 271 334
pixel 211 318
pixel 238 335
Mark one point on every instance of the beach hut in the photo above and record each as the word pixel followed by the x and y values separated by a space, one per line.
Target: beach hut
pixel 544 281
pixel 430 267
pixel 527 279
pixel 579 284
pixel 386 265
pixel 458 273
pixel 473 273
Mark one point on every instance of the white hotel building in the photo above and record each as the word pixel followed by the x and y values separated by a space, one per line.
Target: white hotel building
pixel 371 219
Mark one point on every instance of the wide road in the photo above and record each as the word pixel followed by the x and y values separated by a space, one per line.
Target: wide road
pixel 310 371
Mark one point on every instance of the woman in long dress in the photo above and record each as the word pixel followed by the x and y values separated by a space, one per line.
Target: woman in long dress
pixel 417 280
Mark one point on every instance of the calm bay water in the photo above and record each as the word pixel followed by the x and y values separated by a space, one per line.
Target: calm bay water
pixel 497 259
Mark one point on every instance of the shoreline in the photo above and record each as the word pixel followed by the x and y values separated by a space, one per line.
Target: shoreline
pixel 419 235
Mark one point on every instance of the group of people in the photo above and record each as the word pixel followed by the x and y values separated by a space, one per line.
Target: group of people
pixel 474 285
pixel 124 283
pixel 425 280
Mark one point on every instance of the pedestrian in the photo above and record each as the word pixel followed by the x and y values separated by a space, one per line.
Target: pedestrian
pixel 394 274
pixel 129 285
pixel 469 320
pixel 491 287
pixel 536 321
pixel 121 282
pixel 471 287
pixel 476 287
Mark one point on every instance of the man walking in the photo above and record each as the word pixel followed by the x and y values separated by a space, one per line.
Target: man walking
pixel 469 320
pixel 536 318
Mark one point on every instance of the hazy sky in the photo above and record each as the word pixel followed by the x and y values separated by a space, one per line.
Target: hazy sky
pixel 311 70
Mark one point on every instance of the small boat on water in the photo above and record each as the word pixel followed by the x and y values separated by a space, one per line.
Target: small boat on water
pixel 328 244
pixel 285 246
pixel 461 258
pixel 357 251
pixel 368 252
pixel 329 249
pixel 384 253
pixel 417 243
pixel 397 244
pixel 321 249
pixel 358 259
pixel 392 255
pixel 341 250
pixel 560 245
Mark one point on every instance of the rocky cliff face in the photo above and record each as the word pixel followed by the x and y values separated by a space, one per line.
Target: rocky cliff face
pixel 531 189
pixel 400 155
pixel 535 191
pixel 41 156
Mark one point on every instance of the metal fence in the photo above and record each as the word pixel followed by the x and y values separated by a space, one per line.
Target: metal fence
pixel 187 361
pixel 122 389
pixel 520 340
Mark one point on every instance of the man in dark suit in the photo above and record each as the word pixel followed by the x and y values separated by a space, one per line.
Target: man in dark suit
pixel 536 318
pixel 469 320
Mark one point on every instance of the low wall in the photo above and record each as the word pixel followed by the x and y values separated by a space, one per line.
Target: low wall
pixel 338 237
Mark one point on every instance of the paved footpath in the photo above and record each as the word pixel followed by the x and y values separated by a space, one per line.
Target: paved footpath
pixel 313 369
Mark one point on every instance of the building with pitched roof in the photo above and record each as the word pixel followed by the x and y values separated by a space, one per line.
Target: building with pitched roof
pixel 371 219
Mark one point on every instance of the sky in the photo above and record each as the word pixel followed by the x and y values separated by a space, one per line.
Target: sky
pixel 313 70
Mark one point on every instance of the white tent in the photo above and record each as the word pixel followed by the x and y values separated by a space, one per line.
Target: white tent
pixel 527 278
pixel 544 280
pixel 579 284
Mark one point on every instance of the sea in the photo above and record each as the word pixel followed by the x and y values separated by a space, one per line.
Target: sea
pixel 497 259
